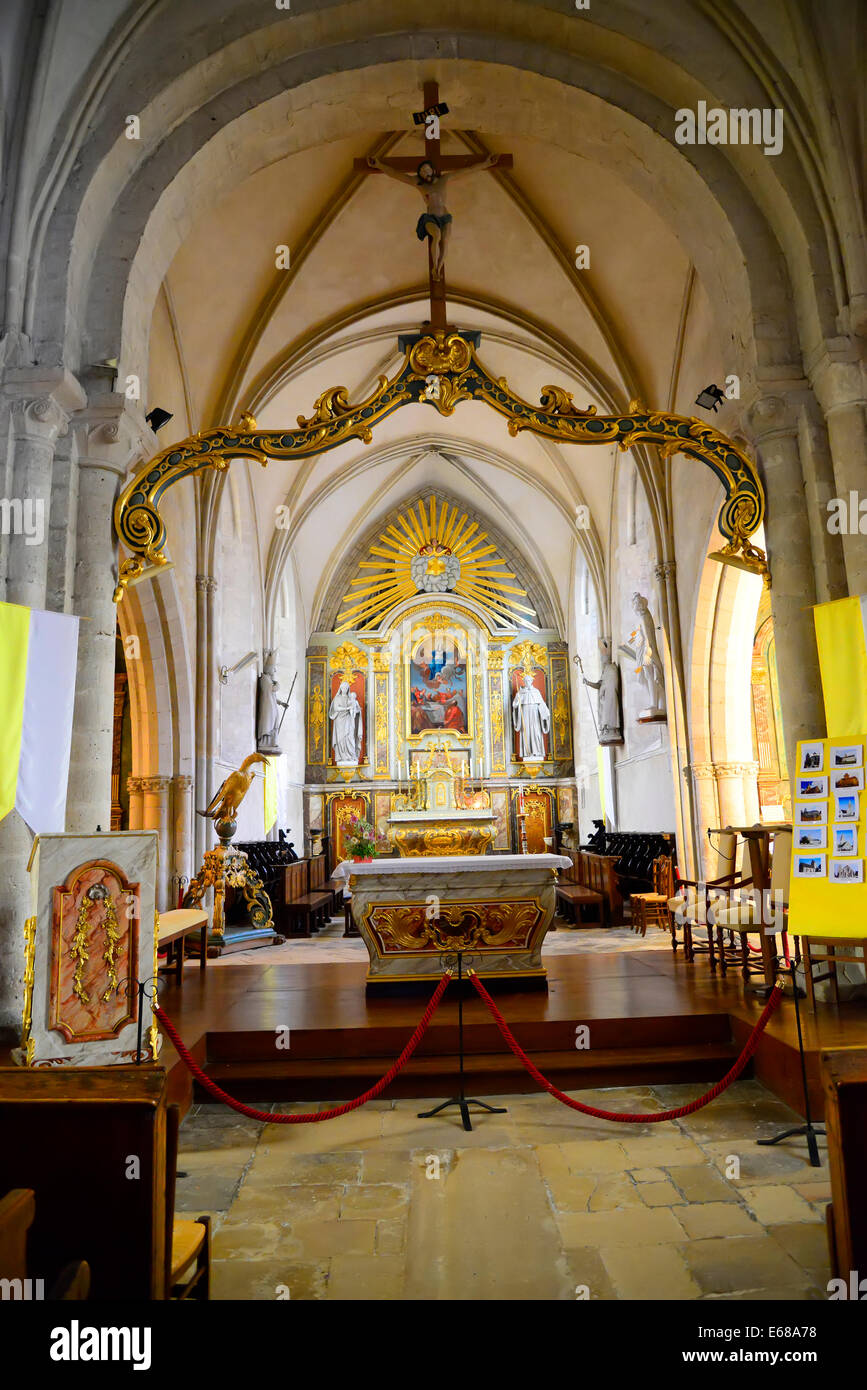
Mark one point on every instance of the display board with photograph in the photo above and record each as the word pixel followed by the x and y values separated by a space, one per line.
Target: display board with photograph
pixel 827 895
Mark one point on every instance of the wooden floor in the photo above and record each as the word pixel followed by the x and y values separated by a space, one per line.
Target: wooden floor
pixel 651 1018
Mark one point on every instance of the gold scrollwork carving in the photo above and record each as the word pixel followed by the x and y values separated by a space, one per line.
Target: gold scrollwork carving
pixel 452 358
pixel 459 926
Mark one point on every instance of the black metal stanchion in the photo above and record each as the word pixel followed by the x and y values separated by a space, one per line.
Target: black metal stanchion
pixel 809 1131
pixel 462 1101
pixel 141 989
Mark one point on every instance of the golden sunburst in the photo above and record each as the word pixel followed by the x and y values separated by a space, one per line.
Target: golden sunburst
pixel 433 549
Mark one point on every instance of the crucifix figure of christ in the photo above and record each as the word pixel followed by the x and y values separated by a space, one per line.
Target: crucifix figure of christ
pixel 431 176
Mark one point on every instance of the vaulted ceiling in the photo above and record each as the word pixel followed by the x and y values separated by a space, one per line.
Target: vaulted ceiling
pixel 234 332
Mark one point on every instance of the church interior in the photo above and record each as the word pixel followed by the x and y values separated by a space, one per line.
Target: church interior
pixel 433 595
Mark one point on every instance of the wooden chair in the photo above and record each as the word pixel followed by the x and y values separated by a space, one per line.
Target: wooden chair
pixel 17 1213
pixel 741 916
pixel 188 1243
pixel 651 909
pixel 689 905
pixel 831 952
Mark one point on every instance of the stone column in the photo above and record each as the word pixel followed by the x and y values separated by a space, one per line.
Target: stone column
pixel 793 590
pixel 704 799
pixel 37 404
pixel 828 562
pixel 41 405
pixel 135 787
pixel 156 817
pixel 730 789
pixel 752 806
pixel 182 847
pixel 206 587
pixel 109 438
pixel 840 386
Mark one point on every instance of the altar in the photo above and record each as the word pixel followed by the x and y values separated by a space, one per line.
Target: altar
pixel 441 814
pixel 412 913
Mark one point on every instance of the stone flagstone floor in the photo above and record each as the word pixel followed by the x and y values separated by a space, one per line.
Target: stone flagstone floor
pixel 535 1204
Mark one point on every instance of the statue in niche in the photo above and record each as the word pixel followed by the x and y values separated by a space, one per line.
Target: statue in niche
pixel 531 719
pixel 648 662
pixel 267 711
pixel 610 711
pixel 347 726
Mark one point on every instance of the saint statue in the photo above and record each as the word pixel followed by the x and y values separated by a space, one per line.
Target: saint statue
pixel 347 723
pixel 645 653
pixel 267 712
pixel 436 220
pixel 531 718
pixel 610 712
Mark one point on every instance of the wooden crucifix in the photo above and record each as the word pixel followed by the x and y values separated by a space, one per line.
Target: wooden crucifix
pixel 431 176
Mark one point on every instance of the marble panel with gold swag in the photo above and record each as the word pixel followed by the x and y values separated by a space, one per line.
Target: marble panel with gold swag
pixel 91 938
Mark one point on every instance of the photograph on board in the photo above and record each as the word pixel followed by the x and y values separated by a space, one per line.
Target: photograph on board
pixel 846 871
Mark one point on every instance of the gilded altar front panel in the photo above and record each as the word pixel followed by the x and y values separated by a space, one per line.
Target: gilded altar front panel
pixel 473 924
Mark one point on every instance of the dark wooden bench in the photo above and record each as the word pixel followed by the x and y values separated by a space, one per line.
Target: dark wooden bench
pixel 590 882
pixel 304 909
pixel 844 1083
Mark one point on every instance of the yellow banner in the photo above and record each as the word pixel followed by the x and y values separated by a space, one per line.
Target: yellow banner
pixel 840 638
pixel 14 642
pixel 827 890
pixel 270 793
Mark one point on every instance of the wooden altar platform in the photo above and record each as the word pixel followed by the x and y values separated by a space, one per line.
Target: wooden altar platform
pixel 652 1019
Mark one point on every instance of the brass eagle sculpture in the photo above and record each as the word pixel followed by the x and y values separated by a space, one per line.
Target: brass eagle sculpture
pixel 228 797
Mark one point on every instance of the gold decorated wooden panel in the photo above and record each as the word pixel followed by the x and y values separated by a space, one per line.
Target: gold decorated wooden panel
pixel 561 709
pixel 498 721
pixel 471 924
pixel 317 710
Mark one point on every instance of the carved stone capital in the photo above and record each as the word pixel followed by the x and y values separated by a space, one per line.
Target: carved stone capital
pixel 837 376
pixel 699 770
pixel 135 785
pixel 206 583
pixel 111 434
pixel 43 399
pixel 733 769
pixel 182 783
pixel 155 785
pixel 666 570
pixel 771 415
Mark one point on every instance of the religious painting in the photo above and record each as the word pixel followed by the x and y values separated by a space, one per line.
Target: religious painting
pixel 381 813
pixel 500 807
pixel 566 805
pixel 438 687
pixel 91 938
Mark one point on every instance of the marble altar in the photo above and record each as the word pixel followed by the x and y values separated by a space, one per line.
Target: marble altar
pixel 495 908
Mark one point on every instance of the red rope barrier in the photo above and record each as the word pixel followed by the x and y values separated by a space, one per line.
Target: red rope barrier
pixel 751 1045
pixel 308 1118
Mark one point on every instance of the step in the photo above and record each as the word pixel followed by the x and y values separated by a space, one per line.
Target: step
pixel 486 1073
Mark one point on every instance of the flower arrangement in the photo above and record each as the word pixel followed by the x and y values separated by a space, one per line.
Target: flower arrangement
pixel 360 839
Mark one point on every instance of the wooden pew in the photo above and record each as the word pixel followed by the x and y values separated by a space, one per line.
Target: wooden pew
pixel 305 909
pixel 844 1082
pixel 592 881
